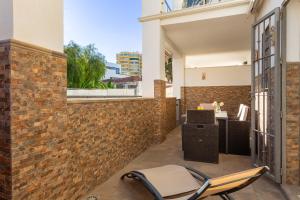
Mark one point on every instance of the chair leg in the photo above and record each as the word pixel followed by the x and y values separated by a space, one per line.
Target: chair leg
pixel 223 197
pixel 226 197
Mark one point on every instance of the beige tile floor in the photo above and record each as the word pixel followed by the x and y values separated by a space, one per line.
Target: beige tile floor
pixel 169 152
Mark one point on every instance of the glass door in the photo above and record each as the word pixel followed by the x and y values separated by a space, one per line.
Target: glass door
pixel 266 94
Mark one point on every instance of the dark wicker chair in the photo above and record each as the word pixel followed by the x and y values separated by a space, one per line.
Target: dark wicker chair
pixel 200 137
pixel 239 133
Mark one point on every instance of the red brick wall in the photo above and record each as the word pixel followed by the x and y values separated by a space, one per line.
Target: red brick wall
pixel 293 123
pixel 232 96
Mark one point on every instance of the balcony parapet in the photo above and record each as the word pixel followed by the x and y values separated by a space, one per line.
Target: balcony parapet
pixel 167 11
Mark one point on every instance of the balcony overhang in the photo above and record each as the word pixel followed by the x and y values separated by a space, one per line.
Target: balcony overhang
pixel 202 12
pixel 217 35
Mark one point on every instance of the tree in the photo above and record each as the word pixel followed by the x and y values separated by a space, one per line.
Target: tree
pixel 86 66
pixel 110 85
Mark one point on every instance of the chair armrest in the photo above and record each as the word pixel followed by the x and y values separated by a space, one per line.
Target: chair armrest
pixel 138 176
pixel 239 124
pixel 199 175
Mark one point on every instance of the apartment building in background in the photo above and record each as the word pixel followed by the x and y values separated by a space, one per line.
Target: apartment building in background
pixel 113 71
pixel 131 63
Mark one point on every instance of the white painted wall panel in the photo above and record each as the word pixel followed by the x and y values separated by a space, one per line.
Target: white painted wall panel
pixel 219 59
pixel 293 31
pixel 218 76
pixel 39 23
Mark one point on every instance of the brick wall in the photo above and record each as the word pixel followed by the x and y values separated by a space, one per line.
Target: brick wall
pixel 38 116
pixel 5 146
pixel 293 123
pixel 232 96
pixel 171 114
pixel 54 149
pixel 104 137
pixel 161 108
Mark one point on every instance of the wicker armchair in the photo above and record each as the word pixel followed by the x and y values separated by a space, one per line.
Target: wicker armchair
pixel 200 137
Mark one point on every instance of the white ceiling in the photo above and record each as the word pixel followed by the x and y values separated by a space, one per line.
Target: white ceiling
pixel 226 34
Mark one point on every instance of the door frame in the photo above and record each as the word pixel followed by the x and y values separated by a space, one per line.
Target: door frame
pixel 277 177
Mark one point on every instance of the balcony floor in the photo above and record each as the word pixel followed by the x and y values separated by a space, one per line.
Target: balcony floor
pixel 169 152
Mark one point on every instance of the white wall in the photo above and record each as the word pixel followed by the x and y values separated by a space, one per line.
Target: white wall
pixel 33 21
pixel 293 25
pixel 6 19
pixel 293 31
pixel 218 76
pixel 178 75
pixel 219 59
pixel 178 66
pixel 101 93
pixel 267 6
pixel 39 22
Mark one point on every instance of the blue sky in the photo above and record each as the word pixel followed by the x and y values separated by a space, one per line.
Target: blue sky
pixel 111 25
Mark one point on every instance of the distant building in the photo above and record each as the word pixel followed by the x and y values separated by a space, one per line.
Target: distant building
pixel 114 74
pixel 113 71
pixel 130 82
pixel 131 63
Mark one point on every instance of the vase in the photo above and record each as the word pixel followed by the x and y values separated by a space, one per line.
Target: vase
pixel 218 109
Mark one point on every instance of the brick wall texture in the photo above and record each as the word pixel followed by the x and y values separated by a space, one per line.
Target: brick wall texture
pixel 54 149
pixel 232 96
pixel 171 114
pixel 104 137
pixel 38 116
pixel 293 124
pixel 5 142
pixel 161 108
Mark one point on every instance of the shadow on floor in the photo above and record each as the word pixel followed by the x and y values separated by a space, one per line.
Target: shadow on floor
pixel 169 152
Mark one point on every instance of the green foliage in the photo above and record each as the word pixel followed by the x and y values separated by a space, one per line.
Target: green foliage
pixel 86 66
pixel 169 70
pixel 111 85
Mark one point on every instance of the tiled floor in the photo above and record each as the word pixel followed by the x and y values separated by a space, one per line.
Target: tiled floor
pixel 293 192
pixel 169 152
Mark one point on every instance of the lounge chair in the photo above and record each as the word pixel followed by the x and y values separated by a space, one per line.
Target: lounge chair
pixel 184 183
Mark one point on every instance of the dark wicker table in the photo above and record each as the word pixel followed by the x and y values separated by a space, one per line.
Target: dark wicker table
pixel 219 117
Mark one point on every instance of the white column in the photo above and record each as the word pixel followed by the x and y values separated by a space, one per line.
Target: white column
pixel 153 56
pixel 178 74
pixel 33 21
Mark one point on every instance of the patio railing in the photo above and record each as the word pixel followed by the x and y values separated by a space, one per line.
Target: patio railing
pixel 173 5
pixel 103 93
